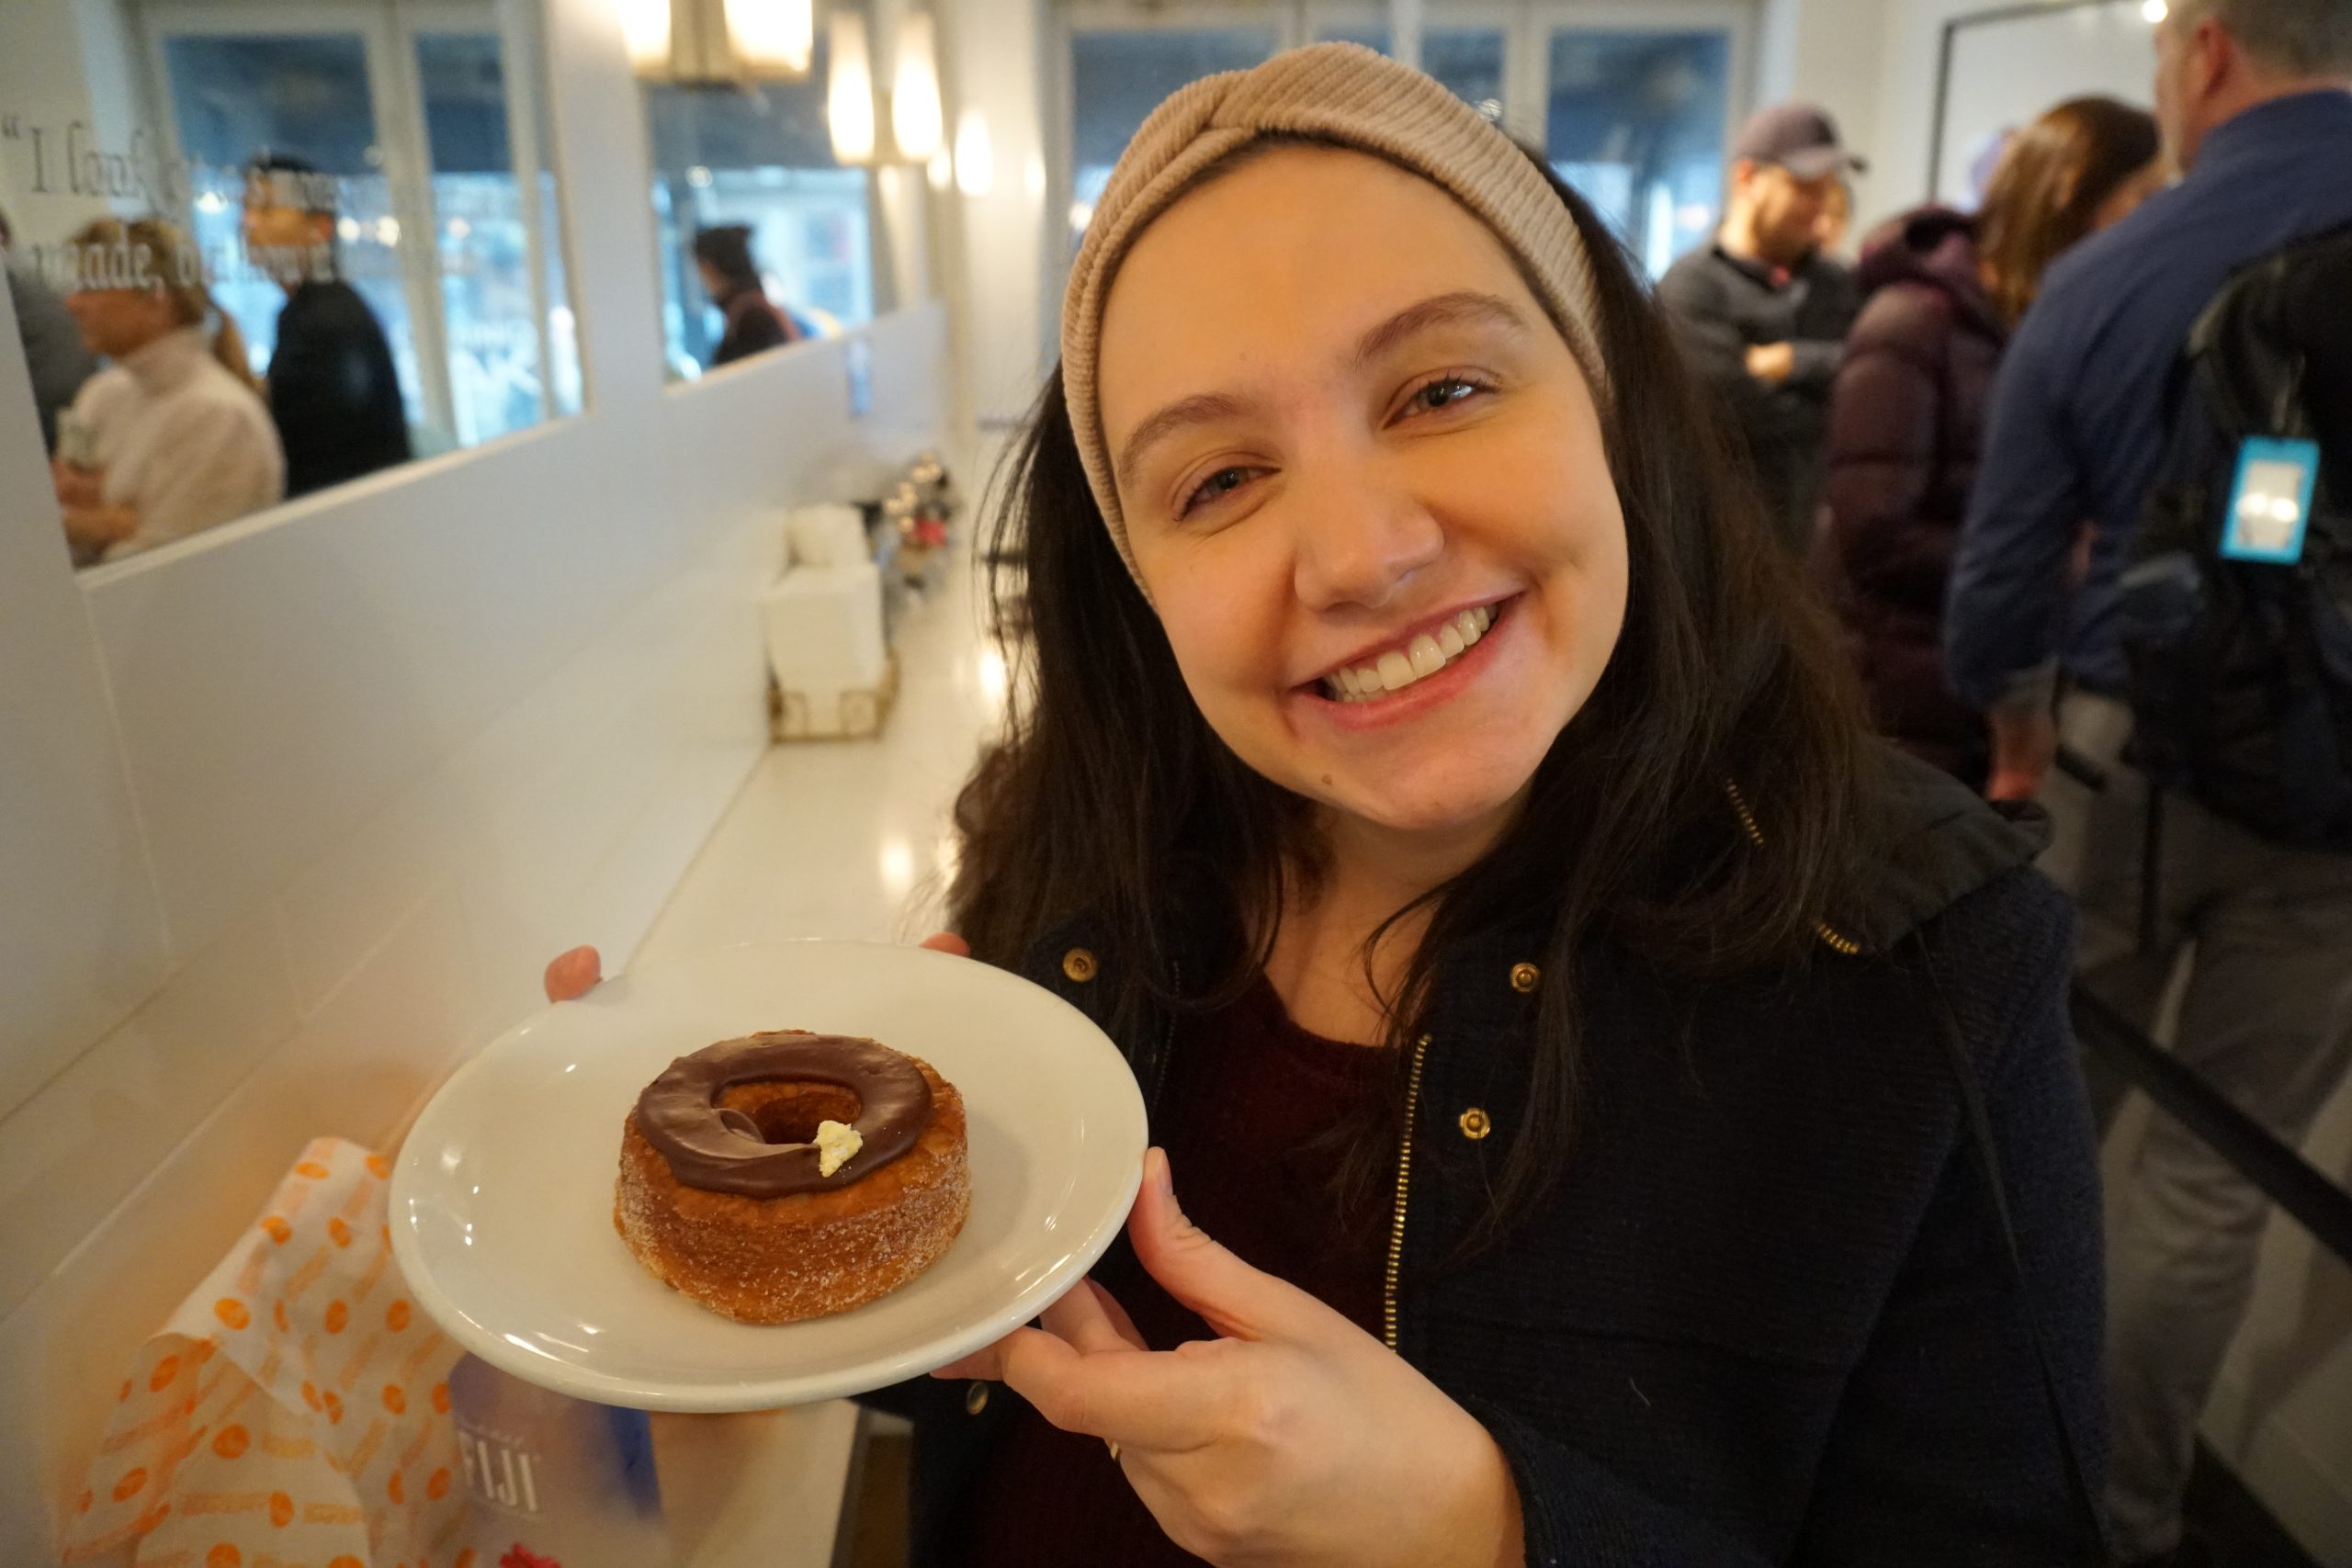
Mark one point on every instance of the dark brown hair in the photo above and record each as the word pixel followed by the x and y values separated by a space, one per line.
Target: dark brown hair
pixel 1111 796
pixel 2048 187
pixel 726 249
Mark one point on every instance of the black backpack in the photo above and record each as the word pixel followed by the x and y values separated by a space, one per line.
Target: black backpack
pixel 2242 671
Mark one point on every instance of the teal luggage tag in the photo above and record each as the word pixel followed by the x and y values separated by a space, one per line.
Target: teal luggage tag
pixel 2270 504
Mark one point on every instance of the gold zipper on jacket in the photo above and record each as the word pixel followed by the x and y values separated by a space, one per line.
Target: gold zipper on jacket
pixel 1403 1181
pixel 1836 942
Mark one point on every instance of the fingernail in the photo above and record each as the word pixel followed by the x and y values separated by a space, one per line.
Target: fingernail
pixel 1159 1174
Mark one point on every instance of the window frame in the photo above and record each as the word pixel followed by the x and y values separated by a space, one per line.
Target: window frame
pixel 1527 26
pixel 1730 16
pixel 682 369
pixel 1538 22
pixel 389 36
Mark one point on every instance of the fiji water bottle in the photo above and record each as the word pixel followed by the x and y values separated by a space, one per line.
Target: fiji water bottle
pixel 554 1482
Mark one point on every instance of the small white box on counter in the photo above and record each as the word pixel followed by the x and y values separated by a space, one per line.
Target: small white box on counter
pixel 832 534
pixel 833 713
pixel 824 627
pixel 833 673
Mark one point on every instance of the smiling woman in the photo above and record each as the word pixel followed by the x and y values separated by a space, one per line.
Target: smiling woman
pixel 1408 442
pixel 1560 1013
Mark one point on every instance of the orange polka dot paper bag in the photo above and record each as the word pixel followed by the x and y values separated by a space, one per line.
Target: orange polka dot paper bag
pixel 294 1411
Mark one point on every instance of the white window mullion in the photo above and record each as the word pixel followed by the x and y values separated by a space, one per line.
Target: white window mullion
pixel 399 92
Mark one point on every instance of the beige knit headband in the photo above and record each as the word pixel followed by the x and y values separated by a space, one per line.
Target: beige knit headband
pixel 1341 92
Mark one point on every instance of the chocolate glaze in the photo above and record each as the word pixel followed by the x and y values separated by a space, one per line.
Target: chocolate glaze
pixel 721 1150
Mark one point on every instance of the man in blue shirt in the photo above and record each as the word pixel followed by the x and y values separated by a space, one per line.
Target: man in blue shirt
pixel 2254 97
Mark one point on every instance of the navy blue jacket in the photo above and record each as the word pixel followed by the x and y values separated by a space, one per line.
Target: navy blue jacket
pixel 1764 1318
pixel 2078 412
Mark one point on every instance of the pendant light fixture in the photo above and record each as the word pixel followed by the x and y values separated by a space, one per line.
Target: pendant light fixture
pixel 712 41
pixel 771 38
pixel 916 120
pixel 645 30
pixel 975 155
pixel 849 89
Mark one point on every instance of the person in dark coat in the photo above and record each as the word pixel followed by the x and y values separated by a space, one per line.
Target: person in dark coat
pixel 1906 413
pixel 754 324
pixel 334 390
pixel 1761 312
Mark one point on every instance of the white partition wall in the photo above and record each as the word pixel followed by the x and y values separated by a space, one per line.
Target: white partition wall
pixel 290 820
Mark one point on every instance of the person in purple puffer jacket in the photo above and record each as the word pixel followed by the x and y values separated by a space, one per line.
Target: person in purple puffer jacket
pixel 1907 414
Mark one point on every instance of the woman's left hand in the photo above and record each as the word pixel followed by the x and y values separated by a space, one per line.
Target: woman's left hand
pixel 1293 1438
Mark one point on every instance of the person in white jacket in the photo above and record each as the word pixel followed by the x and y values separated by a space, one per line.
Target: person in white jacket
pixel 171 438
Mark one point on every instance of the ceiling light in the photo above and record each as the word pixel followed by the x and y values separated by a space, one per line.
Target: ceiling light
pixel 915 117
pixel 849 90
pixel 975 156
pixel 645 31
pixel 771 38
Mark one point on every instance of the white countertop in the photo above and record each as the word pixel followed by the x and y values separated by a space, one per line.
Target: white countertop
pixel 836 838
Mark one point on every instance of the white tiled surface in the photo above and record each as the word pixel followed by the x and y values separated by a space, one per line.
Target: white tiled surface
pixel 71 1155
pixel 79 926
pixel 399 633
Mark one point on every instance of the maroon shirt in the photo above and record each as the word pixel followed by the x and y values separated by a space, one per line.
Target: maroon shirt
pixel 1247 1092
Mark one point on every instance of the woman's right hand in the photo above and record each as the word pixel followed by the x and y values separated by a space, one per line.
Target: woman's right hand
pixel 571 975
pixel 78 489
pixel 2025 745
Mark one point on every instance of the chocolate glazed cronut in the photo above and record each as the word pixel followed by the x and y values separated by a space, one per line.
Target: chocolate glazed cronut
pixel 723 1193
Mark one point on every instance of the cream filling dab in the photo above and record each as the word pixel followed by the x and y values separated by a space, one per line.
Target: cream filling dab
pixel 1398 668
pixel 836 1142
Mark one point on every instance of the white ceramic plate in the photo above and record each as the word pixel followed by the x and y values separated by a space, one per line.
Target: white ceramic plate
pixel 502 1200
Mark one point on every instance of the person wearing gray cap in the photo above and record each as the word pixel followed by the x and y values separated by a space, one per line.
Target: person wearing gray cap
pixel 1762 313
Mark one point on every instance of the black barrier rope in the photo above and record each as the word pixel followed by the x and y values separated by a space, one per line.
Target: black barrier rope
pixel 2284 1176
